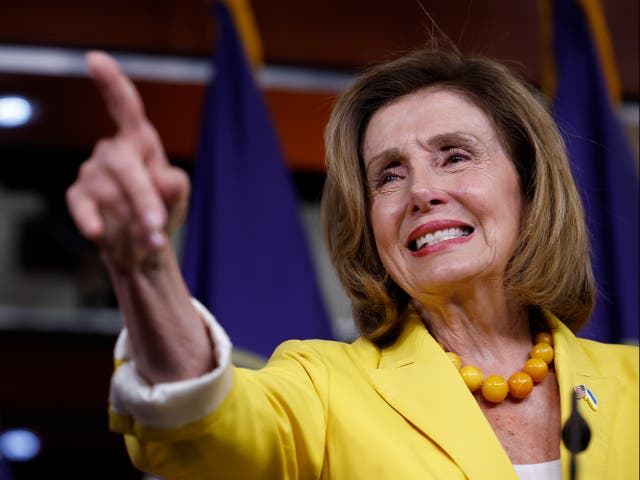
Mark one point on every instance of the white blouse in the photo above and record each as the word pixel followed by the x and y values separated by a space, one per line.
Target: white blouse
pixel 540 471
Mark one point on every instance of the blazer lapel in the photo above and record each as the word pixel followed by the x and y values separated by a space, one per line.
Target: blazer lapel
pixel 417 379
pixel 574 367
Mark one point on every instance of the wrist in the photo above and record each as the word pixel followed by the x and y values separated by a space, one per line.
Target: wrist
pixel 169 340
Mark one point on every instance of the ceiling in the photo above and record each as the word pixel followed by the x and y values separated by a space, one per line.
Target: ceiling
pixel 332 38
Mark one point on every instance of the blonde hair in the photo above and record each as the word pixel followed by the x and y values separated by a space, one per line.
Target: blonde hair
pixel 550 268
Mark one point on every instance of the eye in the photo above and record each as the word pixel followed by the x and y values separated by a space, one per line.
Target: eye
pixel 387 177
pixel 455 155
pixel 456 158
pixel 389 174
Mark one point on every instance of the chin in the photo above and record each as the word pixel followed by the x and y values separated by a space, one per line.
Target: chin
pixel 452 278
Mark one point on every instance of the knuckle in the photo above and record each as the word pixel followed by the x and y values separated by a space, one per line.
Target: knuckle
pixel 180 177
pixel 102 147
pixel 144 137
pixel 107 196
pixel 71 195
pixel 118 159
pixel 71 192
pixel 150 133
pixel 112 155
pixel 185 183
pixel 86 170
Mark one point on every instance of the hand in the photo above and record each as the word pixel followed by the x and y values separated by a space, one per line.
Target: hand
pixel 127 197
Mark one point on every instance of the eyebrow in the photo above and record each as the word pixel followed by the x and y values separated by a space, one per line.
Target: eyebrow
pixel 387 155
pixel 448 138
pixel 436 141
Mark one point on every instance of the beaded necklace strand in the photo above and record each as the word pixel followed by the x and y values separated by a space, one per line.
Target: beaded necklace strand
pixel 494 388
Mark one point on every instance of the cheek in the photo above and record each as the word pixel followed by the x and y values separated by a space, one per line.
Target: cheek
pixel 382 214
pixel 513 205
pixel 498 211
pixel 381 235
pixel 508 221
pixel 385 224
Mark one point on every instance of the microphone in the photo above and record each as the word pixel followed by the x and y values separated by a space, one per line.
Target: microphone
pixel 576 434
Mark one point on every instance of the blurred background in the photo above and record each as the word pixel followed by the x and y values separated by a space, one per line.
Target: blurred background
pixel 58 320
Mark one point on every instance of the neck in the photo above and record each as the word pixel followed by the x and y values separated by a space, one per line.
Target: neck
pixel 487 330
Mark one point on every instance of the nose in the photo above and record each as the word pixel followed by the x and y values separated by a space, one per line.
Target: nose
pixel 426 192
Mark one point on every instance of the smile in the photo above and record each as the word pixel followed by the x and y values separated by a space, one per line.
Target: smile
pixel 438 236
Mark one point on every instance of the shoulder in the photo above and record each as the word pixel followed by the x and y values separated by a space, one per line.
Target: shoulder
pixel 603 359
pixel 309 365
pixel 330 354
pixel 613 358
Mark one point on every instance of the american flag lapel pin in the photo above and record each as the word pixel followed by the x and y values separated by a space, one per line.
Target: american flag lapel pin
pixel 584 392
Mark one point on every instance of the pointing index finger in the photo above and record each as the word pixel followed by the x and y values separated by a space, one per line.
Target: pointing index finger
pixel 117 90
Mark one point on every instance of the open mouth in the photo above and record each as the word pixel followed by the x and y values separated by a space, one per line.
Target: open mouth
pixel 438 236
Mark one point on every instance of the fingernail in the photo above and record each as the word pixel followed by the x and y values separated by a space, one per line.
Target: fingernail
pixel 153 219
pixel 156 239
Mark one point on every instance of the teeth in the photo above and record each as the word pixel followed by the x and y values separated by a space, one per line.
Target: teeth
pixel 440 236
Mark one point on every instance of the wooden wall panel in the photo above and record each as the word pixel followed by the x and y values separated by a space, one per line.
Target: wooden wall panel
pixel 71 116
pixel 332 33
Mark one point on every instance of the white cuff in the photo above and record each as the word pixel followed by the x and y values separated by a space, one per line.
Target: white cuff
pixel 174 404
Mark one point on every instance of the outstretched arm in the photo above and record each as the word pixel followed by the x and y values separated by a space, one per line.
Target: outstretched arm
pixel 128 199
pixel 224 421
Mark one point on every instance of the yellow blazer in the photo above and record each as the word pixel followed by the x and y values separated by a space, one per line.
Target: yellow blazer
pixel 331 410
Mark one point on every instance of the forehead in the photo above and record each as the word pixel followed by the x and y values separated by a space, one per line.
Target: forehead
pixel 425 113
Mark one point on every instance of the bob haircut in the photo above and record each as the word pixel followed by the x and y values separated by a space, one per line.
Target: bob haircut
pixel 550 268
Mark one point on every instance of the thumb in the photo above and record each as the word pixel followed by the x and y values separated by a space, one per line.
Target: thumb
pixel 174 187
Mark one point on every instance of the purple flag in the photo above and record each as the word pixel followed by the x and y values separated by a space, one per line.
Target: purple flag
pixel 246 256
pixel 603 165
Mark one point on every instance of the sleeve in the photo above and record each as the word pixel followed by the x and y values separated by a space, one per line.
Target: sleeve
pixel 168 405
pixel 230 423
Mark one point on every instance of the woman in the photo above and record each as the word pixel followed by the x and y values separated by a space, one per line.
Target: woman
pixel 455 226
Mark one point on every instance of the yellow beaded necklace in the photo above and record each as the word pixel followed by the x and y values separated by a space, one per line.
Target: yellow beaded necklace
pixel 495 388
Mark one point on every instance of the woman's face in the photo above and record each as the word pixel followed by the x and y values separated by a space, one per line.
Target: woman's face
pixel 445 201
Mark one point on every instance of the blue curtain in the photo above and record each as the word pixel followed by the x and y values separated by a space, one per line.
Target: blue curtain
pixel 246 256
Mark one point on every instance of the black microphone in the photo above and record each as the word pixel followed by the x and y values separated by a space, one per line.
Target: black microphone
pixel 576 434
